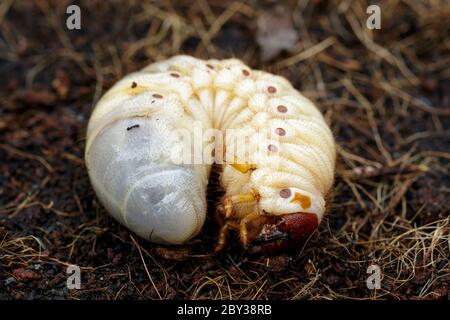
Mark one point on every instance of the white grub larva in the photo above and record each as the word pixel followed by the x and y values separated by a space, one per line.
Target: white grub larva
pixel 275 201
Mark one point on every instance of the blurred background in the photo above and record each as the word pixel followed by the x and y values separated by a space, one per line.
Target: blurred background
pixel 385 93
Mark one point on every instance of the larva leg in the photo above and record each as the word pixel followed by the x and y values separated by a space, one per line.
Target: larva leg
pixel 225 226
pixel 223 235
pixel 222 239
pixel 243 227
pixel 220 218
pixel 219 215
pixel 240 198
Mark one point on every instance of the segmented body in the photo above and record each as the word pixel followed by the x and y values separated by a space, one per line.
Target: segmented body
pixel 295 176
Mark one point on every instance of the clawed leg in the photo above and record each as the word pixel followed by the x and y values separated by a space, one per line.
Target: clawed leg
pixel 219 215
pixel 240 198
pixel 222 239
pixel 223 235
pixel 243 227
pixel 225 212
pixel 225 227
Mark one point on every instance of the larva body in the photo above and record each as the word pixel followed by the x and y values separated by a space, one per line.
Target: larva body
pixel 273 199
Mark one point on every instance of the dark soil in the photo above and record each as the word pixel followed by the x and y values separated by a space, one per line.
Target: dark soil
pixel 386 94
